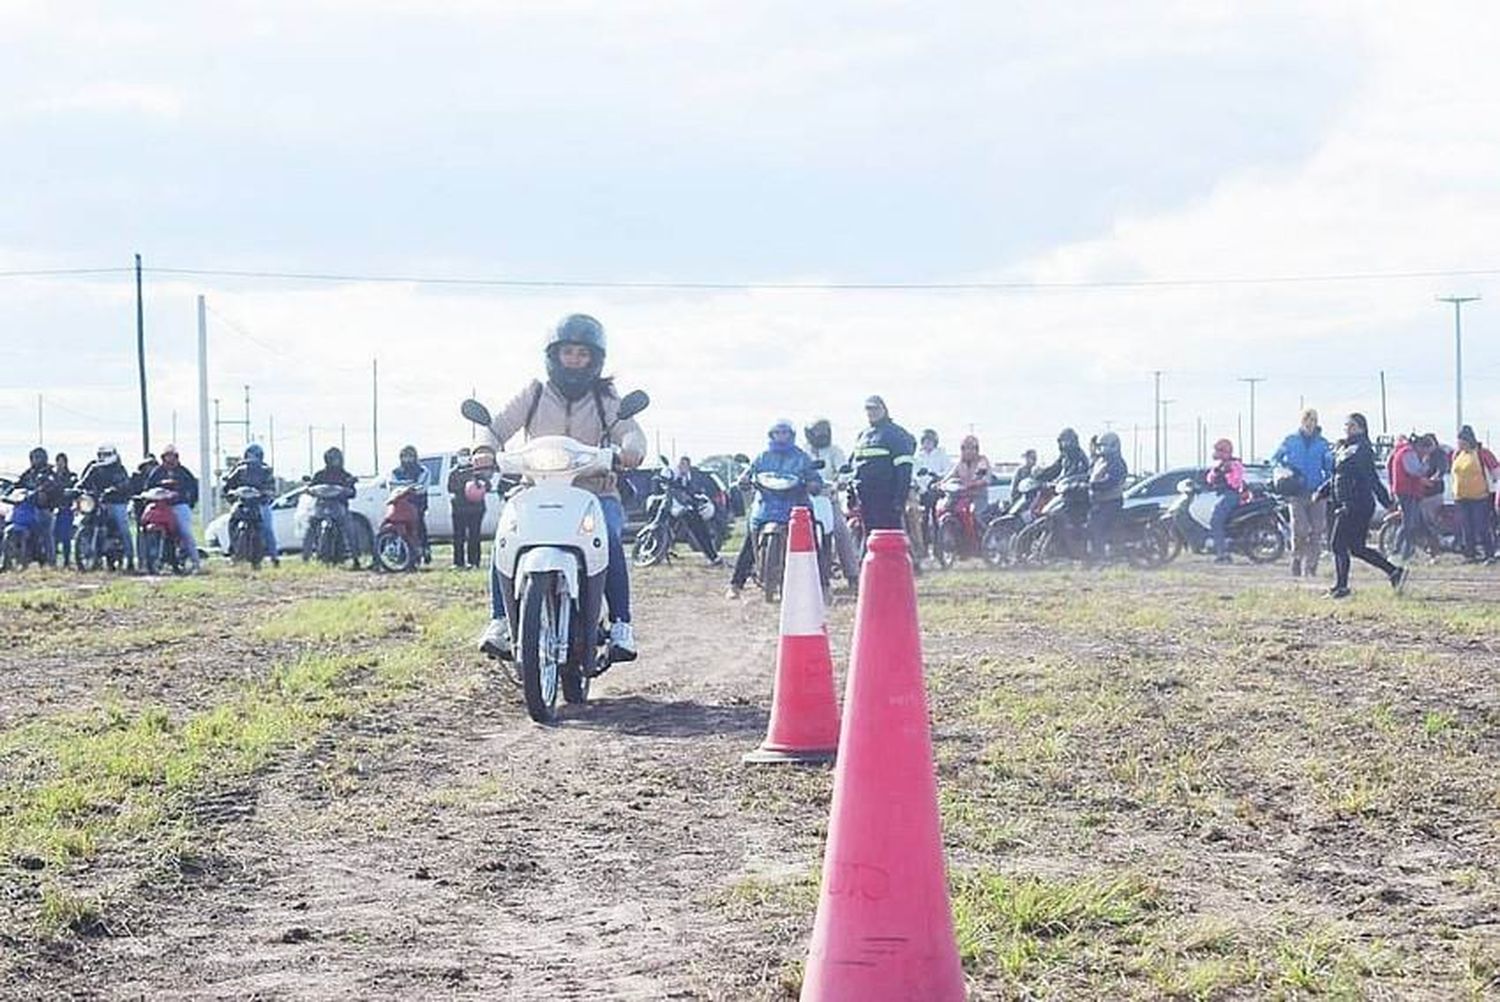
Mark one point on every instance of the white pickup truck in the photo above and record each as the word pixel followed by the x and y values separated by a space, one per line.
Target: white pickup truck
pixel 367 507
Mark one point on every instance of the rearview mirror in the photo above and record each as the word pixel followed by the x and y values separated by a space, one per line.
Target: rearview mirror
pixel 630 405
pixel 475 411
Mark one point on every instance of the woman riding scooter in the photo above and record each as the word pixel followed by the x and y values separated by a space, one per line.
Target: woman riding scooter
pixel 576 400
pixel 781 456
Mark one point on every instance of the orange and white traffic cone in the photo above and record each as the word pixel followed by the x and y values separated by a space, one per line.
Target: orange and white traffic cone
pixel 804 710
pixel 884 930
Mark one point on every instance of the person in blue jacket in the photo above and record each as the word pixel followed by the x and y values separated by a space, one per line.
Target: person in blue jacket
pixel 1307 455
pixel 781 456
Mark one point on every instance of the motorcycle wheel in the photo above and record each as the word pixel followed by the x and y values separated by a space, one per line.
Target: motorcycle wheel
pixel 393 553
pixel 1171 542
pixel 328 544
pixel 1148 550
pixel 1263 542
pixel 997 545
pixel 1033 544
pixel 541 640
pixel 1390 534
pixel 9 552
pixel 945 544
pixel 773 566
pixel 651 546
pixel 151 552
pixel 86 547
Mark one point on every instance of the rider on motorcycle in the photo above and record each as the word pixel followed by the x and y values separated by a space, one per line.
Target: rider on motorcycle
pixel 1106 492
pixel 252 471
pixel 172 474
pixel 576 400
pixel 42 478
pixel 106 478
pixel 1071 462
pixel 781 456
pixel 971 473
pixel 333 472
pixel 1226 478
pixel 412 473
pixel 688 479
pixel 819 435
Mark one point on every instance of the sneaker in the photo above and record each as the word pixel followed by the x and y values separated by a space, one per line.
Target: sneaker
pixel 716 562
pixel 1296 567
pixel 1338 591
pixel 1398 579
pixel 621 642
pixel 495 640
pixel 733 591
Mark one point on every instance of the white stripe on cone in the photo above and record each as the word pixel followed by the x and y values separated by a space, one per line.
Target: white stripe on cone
pixel 802 612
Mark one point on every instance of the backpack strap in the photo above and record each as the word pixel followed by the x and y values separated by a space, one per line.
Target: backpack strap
pixel 603 424
pixel 536 401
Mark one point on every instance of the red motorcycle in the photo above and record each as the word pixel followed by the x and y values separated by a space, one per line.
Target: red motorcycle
pixel 960 531
pixel 160 540
pixel 398 542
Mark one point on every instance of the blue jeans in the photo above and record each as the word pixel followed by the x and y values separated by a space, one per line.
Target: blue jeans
pixel 616 578
pixel 120 515
pixel 1220 522
pixel 46 518
pixel 1413 525
pixel 186 545
pixel 268 531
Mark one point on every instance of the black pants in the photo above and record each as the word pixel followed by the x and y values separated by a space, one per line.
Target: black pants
pixel 466 532
pixel 701 534
pixel 1349 537
pixel 1102 516
pixel 745 563
pixel 882 510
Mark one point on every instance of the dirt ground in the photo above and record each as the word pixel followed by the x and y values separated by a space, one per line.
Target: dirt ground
pixel 1192 784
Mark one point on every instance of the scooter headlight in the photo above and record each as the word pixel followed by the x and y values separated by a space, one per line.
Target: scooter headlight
pixel 587 525
pixel 510 519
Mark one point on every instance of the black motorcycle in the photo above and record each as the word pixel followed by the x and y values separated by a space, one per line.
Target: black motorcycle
pixel 1027 500
pixel 246 537
pixel 1060 532
pixel 96 538
pixel 1256 527
pixel 667 510
pixel 327 507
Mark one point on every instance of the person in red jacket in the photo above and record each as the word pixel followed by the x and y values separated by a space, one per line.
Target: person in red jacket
pixel 1408 468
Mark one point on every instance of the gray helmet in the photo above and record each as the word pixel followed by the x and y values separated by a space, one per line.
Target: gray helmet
pixel 1109 442
pixel 334 457
pixel 254 453
pixel 575 328
pixel 819 433
pixel 1067 439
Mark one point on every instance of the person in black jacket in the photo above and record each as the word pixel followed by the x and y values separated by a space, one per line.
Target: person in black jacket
pixel 1353 490
pixel 106 478
pixel 42 478
pixel 1071 462
pixel 469 483
pixel 171 473
pixel 252 471
pixel 333 472
pixel 62 526
pixel 883 459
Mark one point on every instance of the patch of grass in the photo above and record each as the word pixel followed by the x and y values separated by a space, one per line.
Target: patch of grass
pixel 349 617
pixel 1013 926
pixel 64 911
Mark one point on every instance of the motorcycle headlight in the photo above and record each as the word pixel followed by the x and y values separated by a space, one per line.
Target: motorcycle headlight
pixel 86 504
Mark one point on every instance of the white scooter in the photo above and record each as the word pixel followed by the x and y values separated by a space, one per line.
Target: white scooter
pixel 552 552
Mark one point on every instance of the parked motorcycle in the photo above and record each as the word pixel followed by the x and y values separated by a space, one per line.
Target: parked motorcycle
pixel 247 541
pixel 96 537
pixel 398 541
pixel 160 541
pixel 667 511
pixel 1027 501
pixel 1256 527
pixel 19 544
pixel 552 554
pixel 324 508
pixel 1450 537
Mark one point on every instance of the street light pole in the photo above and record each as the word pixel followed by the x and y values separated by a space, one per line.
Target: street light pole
pixel 1458 352
pixel 1165 431
pixel 1252 380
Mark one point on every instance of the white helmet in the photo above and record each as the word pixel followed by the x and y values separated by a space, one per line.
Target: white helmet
pixel 108 454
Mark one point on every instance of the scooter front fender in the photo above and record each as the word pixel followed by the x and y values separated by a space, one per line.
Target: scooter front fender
pixel 547 558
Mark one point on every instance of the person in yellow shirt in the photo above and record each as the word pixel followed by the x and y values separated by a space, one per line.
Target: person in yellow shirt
pixel 1473 468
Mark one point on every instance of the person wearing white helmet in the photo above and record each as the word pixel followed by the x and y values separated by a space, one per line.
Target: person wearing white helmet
pixel 106 478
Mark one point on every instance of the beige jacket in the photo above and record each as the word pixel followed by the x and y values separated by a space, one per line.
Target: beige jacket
pixel 557 415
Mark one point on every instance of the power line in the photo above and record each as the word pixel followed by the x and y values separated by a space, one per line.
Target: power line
pixel 1008 286
pixel 57 272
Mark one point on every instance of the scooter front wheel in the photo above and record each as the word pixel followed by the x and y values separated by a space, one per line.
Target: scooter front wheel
pixel 542 639
pixel 393 552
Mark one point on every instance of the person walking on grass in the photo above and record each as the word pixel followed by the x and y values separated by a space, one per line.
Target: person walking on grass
pixel 1308 457
pixel 1474 467
pixel 1353 490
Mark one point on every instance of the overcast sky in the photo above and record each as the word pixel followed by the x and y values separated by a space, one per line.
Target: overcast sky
pixel 760 143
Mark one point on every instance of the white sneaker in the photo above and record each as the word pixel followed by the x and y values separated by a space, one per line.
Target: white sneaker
pixel 621 642
pixel 495 640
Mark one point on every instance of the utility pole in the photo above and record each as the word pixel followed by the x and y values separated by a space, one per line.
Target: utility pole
pixel 1252 380
pixel 310 469
pixel 174 425
pixel 473 428
pixel 1458 352
pixel 1385 428
pixel 218 442
pixel 1198 438
pixel 1135 448
pixel 247 413
pixel 271 437
pixel 40 438
pixel 1165 431
pixel 374 411
pixel 1156 417
pixel 205 470
pixel 140 357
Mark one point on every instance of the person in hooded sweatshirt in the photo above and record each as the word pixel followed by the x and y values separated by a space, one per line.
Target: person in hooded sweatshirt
pixel 1352 492
pixel 1308 455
